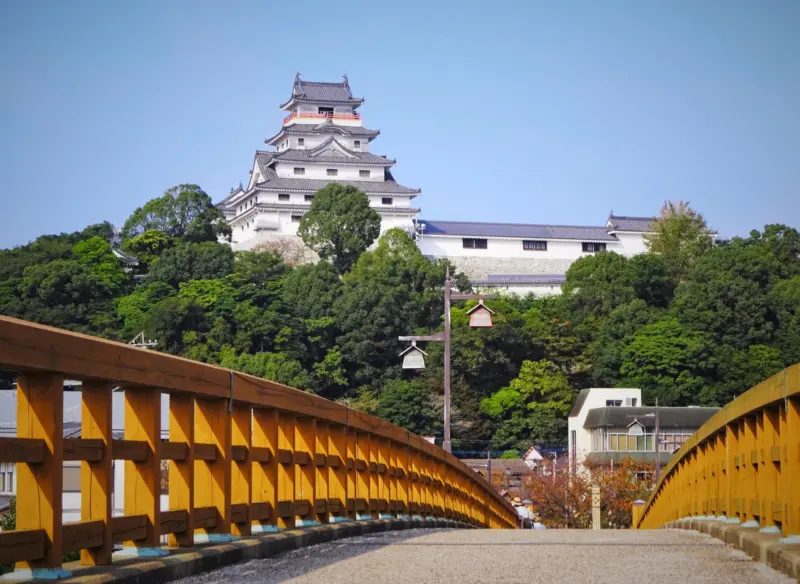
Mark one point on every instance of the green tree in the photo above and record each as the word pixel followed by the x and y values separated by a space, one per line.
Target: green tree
pixel 184 212
pixel 680 235
pixel 407 404
pixel 193 261
pixel 148 245
pixel 340 225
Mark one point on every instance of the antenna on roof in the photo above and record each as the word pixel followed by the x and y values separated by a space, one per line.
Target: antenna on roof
pixel 139 341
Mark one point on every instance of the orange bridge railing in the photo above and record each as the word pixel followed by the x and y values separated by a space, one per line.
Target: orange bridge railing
pixel 245 455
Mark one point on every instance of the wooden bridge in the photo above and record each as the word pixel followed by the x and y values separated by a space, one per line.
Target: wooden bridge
pixel 245 456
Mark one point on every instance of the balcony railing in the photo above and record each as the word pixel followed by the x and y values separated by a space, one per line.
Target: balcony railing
pixel 246 455
pixel 323 116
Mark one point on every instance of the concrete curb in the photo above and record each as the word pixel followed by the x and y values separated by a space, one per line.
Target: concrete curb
pixel 182 562
pixel 759 546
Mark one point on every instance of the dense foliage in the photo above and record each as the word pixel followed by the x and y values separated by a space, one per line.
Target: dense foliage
pixel 696 323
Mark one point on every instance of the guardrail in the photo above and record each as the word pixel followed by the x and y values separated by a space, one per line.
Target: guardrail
pixel 245 455
pixel 742 465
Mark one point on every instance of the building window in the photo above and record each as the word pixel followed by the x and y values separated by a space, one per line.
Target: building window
pixel 309 198
pixel 613 403
pixel 326 111
pixel 357 144
pixel 296 218
pixel 7 477
pixel 301 141
pixel 332 172
pixel 299 170
pixel 591 246
pixel 363 173
pixel 386 201
pixel 471 243
pixel 283 197
pixel 534 245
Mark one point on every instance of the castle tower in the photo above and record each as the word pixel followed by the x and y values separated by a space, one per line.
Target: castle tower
pixel 322 140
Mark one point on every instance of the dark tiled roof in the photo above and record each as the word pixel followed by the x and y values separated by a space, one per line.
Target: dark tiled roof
pixel 322 92
pixel 323 128
pixel 521 280
pixel 579 401
pixel 357 158
pixel 644 456
pixel 511 466
pixel 668 417
pixel 631 224
pixel 309 186
pixel 304 208
pixel 516 230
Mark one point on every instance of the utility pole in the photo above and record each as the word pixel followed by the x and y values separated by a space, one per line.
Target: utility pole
pixel 656 439
pixel 447 444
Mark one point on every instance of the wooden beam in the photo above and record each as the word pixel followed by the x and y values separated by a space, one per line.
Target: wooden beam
pixel 97 478
pixel 132 450
pixel 204 517
pixel 28 450
pixel 239 453
pixel 206 452
pixel 175 521
pixel 178 451
pixel 128 528
pixel 81 535
pixel 260 454
pixel 22 545
pixel 88 449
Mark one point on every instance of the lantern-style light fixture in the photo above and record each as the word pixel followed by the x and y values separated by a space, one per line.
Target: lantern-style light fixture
pixel 480 315
pixel 413 357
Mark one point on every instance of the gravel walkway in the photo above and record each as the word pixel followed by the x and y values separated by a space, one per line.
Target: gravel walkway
pixel 548 557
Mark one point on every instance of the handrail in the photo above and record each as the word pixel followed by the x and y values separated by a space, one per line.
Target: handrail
pixel 742 465
pixel 246 455
pixel 315 115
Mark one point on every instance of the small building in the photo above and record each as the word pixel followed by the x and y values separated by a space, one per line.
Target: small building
pixel 612 424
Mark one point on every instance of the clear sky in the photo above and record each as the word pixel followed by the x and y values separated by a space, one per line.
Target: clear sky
pixel 529 111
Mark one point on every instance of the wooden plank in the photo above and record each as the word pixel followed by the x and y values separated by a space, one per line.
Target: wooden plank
pixel 128 528
pixel 206 452
pixel 88 449
pixel 213 426
pixel 131 450
pixel 334 461
pixel 260 511
pixel 260 454
pixel 302 458
pixel 40 410
pixel 285 456
pixel 241 471
pixel 97 478
pixel 204 517
pixel 143 477
pixel 175 521
pixel 21 545
pixel 320 459
pixel 302 507
pixel 80 535
pixel 181 470
pixel 178 451
pixel 29 450
pixel 285 509
pixel 337 473
pixel 305 473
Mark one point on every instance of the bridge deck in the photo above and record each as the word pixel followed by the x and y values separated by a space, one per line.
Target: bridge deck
pixel 463 557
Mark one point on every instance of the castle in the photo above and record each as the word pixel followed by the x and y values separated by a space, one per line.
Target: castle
pixel 322 140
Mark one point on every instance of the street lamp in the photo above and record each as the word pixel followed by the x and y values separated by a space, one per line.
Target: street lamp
pixel 413 356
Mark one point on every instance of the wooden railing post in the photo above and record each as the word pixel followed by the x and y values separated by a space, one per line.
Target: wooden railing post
pixel 337 473
pixel 305 473
pixel 212 478
pixel 352 473
pixel 790 436
pixel 286 472
pixel 241 470
pixel 181 472
pixel 143 477
pixel 265 471
pixel 96 476
pixel 363 486
pixel 768 469
pixel 321 480
pixel 40 414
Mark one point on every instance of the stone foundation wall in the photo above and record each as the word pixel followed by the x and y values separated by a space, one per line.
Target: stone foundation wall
pixel 480 268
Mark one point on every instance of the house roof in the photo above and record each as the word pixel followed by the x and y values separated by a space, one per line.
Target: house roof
pixel 509 466
pixel 622 417
pixel 322 92
pixel 317 156
pixel 323 128
pixel 640 456
pixel 515 230
pixel 579 401
pixel 521 280
pixel 630 224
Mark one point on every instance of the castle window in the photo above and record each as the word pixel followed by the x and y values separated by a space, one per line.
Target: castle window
pixel 283 197
pixel 363 173
pixel 309 198
pixel 326 111
pixel 299 170
pixel 591 246
pixel 357 144
pixel 471 243
pixel 386 201
pixel 301 141
pixel 296 218
pixel 534 245
pixel 332 172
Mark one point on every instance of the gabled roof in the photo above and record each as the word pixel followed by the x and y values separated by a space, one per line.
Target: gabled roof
pixel 579 401
pixel 321 92
pixel 323 128
pixel 515 230
pixel 331 151
pixel 300 185
pixel 621 417
pixel 630 224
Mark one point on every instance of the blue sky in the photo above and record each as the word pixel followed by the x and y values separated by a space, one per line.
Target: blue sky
pixel 534 112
